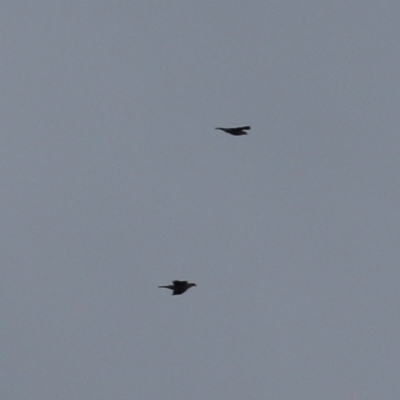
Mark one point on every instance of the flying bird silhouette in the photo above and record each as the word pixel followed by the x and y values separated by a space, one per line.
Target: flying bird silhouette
pixel 239 131
pixel 179 287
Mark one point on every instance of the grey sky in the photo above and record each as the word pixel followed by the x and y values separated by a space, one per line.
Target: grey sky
pixel 114 181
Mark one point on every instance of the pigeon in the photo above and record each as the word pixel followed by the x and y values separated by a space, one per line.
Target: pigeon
pixel 239 131
pixel 179 287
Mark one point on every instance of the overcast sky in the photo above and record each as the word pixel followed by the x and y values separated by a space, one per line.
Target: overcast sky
pixel 114 181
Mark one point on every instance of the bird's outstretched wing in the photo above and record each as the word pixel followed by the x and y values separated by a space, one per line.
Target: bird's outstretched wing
pixel 239 131
pixel 180 283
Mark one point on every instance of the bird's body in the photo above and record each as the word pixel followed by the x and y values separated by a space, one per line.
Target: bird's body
pixel 179 287
pixel 239 131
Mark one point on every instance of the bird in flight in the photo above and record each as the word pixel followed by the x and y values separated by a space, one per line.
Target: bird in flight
pixel 179 287
pixel 239 131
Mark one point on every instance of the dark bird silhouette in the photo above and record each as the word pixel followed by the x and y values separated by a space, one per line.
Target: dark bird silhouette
pixel 239 131
pixel 179 287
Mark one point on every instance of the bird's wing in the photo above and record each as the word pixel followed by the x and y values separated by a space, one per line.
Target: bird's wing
pixel 180 283
pixel 244 128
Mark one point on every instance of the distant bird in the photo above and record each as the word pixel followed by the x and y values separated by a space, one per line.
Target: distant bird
pixel 179 287
pixel 241 130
